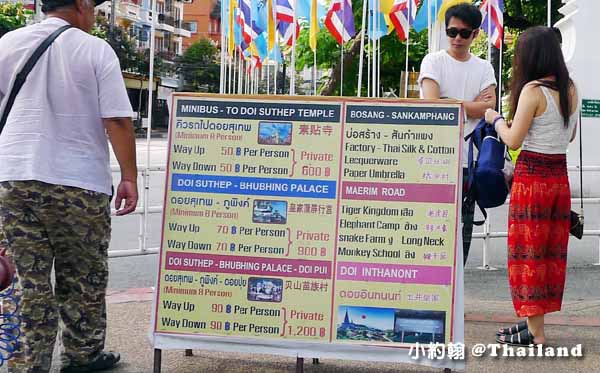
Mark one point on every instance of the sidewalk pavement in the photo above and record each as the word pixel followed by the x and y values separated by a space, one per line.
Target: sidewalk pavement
pixel 578 323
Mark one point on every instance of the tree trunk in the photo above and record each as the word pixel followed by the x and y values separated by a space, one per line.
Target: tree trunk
pixel 334 79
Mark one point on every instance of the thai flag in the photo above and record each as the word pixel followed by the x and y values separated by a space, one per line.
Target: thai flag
pixel 340 20
pixel 401 18
pixel 239 38
pixel 496 18
pixel 245 21
pixel 287 32
pixel 284 13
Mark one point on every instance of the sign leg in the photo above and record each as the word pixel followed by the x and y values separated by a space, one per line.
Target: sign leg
pixel 157 360
pixel 315 361
pixel 299 365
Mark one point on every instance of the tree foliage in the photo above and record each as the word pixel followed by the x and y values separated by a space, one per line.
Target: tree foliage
pixel 130 57
pixel 199 67
pixel 13 16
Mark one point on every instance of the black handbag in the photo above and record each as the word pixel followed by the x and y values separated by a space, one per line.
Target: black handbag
pixel 22 75
pixel 577 219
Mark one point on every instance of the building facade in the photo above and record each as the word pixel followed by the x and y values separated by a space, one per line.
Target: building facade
pixel 136 16
pixel 204 20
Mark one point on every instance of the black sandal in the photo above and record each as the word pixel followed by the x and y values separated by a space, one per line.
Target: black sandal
pixel 520 326
pixel 522 338
pixel 105 360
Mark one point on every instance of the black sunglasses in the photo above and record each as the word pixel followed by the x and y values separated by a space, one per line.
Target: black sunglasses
pixel 464 33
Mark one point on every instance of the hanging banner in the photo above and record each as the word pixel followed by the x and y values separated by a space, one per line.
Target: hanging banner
pixel 311 227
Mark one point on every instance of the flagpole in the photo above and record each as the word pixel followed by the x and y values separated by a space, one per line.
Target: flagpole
pixel 368 64
pixel 362 49
pixel 378 41
pixel 248 76
pixel 342 68
pixel 342 52
pixel 232 65
pixel 407 46
pixel 380 88
pixel 315 73
pixel 240 76
pixel 373 25
pixel 428 26
pixel 489 30
pixel 293 63
pixel 500 76
pixel 276 72
pixel 222 67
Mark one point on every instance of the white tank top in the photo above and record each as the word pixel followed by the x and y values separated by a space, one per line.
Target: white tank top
pixel 548 134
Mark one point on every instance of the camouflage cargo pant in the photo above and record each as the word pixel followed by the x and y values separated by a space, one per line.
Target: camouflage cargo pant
pixel 46 225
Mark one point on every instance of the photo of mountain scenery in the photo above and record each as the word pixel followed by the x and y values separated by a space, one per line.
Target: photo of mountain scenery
pixel 372 324
pixel 274 133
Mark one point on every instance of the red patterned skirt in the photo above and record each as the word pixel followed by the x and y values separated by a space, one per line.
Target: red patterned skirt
pixel 538 233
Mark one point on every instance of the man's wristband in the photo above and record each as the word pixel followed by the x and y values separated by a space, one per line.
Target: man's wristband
pixel 495 122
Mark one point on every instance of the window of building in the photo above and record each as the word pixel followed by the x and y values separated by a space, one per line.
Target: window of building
pixel 193 27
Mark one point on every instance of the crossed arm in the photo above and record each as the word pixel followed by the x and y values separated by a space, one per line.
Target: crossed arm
pixel 475 109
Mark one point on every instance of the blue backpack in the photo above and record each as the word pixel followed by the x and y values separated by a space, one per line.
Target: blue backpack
pixel 487 184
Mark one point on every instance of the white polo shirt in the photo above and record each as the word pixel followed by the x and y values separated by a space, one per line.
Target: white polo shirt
pixel 54 131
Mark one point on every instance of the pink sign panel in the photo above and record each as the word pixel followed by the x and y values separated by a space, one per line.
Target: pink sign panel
pixel 433 193
pixel 255 266
pixel 406 274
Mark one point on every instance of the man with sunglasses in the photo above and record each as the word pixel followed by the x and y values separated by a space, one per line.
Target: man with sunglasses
pixel 455 73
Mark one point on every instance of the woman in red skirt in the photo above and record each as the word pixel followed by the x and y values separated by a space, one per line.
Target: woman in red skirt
pixel 544 112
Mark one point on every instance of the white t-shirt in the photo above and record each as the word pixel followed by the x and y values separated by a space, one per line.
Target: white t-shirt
pixel 54 132
pixel 458 80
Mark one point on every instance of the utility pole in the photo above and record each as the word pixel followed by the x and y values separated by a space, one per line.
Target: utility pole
pixel 113 11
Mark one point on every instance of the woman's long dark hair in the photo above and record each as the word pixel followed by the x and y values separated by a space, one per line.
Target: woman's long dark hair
pixel 538 55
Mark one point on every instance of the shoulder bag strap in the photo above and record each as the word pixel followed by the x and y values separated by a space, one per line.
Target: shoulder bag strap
pixel 22 76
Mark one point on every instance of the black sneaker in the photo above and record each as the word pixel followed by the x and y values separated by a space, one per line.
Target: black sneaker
pixel 105 360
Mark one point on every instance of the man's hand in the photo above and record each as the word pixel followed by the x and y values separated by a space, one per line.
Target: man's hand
pixel 486 95
pixel 127 191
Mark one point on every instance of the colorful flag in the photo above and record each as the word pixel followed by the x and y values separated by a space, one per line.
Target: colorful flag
pixel 275 54
pixel 377 26
pixel 259 16
pixel 230 31
pixel 285 17
pixel 287 32
pixel 245 20
pixel 304 9
pixel 237 31
pixel 270 25
pixel 340 20
pixel 386 7
pixel 421 20
pixel 401 18
pixel 314 26
pixel 496 18
pixel 284 11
